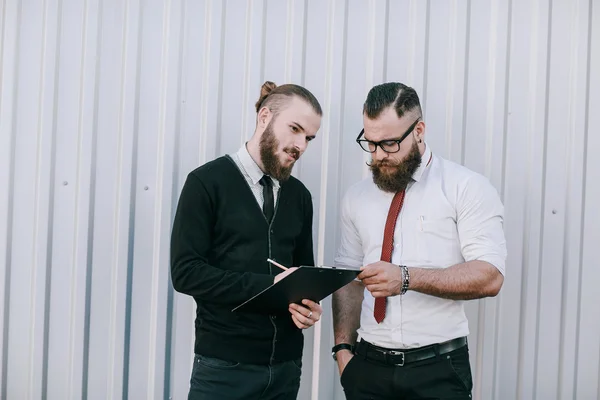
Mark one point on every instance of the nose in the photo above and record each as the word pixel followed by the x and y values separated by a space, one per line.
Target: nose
pixel 380 154
pixel 301 143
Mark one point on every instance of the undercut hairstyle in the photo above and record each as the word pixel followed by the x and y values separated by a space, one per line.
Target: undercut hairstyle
pixel 403 98
pixel 275 98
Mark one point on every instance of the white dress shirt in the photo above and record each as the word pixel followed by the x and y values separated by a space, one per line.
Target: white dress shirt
pixel 253 174
pixel 450 215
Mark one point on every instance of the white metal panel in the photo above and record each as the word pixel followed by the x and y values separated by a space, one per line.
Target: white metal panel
pixel 105 106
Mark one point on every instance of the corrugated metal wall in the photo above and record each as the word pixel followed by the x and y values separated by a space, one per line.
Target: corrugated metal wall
pixel 105 105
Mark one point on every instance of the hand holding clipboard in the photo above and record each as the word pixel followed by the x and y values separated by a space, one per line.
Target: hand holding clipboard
pixel 306 315
pixel 305 282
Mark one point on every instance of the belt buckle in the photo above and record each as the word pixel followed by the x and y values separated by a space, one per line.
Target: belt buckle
pixel 397 353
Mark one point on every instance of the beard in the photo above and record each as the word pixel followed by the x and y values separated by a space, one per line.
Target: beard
pixel 397 174
pixel 268 155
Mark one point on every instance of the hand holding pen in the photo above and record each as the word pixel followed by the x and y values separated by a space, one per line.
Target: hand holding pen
pixel 303 316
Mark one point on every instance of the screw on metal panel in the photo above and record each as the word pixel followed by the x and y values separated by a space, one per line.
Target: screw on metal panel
pixel 65 183
pixel 146 187
pixel 554 211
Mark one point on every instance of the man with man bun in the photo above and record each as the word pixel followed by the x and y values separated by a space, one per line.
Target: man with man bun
pixel 233 214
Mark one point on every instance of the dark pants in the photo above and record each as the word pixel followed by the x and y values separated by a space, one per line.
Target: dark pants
pixel 444 377
pixel 224 380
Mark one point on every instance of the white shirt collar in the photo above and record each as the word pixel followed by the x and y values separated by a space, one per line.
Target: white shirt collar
pixel 425 162
pixel 251 167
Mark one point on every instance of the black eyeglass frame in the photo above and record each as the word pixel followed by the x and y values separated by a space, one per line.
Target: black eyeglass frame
pixel 389 141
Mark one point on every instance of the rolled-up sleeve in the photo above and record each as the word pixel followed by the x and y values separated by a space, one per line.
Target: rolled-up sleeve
pixel 480 220
pixel 350 251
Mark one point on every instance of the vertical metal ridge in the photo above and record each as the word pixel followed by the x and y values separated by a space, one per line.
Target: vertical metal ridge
pixel 525 272
pixel 205 79
pixel 570 147
pixel 412 39
pixel 507 77
pixel 491 86
pixel 49 228
pixel 386 39
pixel 449 78
pixel 325 147
pixel 426 51
pixel 51 195
pixel 2 28
pixel 183 23
pixel 506 99
pixel 71 381
pixel 246 78
pixel 263 46
pixel 466 84
pixel 524 284
pixel 289 42
pixel 219 99
pixel 118 210
pixel 543 194
pixel 132 209
pixel 586 132
pixel 36 239
pixel 370 56
pixel 342 96
pixel 92 208
pixel 159 186
pixel 10 209
pixel 75 238
pixel 304 40
pixel 36 198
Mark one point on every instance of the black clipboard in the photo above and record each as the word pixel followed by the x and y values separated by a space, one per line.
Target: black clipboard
pixel 313 283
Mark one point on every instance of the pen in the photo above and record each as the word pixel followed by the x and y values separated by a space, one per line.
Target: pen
pixel 277 264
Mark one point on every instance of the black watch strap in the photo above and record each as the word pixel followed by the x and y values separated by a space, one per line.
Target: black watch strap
pixel 341 346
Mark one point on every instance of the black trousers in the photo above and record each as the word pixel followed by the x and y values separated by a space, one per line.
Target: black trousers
pixel 444 377
pixel 215 379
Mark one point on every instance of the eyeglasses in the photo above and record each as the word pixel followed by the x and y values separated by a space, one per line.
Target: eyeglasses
pixel 389 145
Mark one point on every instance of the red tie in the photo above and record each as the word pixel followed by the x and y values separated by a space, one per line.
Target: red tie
pixel 387 247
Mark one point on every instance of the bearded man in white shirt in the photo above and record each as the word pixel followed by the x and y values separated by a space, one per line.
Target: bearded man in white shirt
pixel 427 234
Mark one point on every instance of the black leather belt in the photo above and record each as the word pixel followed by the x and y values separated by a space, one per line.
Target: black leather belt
pixel 401 357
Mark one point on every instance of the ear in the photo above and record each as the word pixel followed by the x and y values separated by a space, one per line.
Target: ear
pixel 264 117
pixel 420 131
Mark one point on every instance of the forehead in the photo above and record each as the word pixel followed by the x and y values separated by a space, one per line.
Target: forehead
pixel 387 125
pixel 300 112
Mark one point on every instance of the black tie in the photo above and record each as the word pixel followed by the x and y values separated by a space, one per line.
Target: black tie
pixel 268 204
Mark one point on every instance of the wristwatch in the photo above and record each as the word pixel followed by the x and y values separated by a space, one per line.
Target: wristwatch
pixel 341 346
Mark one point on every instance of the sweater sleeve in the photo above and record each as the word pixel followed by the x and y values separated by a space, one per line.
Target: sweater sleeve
pixel 303 252
pixel 191 240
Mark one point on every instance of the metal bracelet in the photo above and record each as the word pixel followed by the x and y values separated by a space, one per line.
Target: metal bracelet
pixel 405 279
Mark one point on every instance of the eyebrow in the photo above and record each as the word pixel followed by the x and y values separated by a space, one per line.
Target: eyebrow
pixel 382 140
pixel 299 126
pixel 302 129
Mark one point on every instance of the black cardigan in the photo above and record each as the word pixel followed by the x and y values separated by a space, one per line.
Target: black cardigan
pixel 219 246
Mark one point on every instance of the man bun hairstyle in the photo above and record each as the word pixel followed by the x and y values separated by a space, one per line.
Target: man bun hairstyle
pixel 403 98
pixel 276 97
pixel 265 91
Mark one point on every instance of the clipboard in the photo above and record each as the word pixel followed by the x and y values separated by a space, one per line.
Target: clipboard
pixel 307 282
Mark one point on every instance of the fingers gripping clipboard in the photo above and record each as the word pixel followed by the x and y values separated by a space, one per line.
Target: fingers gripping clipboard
pixel 307 282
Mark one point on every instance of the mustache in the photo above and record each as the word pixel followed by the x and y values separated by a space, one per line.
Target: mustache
pixel 293 152
pixel 380 163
